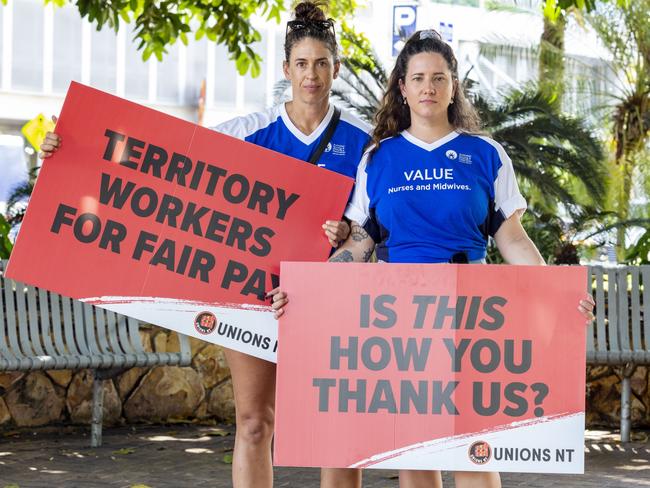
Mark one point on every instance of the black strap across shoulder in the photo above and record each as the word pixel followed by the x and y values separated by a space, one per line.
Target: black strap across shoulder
pixel 327 136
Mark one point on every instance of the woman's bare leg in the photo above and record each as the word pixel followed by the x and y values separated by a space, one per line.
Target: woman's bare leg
pixel 420 479
pixel 472 479
pixel 340 478
pixel 253 382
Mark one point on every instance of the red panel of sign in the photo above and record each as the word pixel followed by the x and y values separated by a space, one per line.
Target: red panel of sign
pixel 406 366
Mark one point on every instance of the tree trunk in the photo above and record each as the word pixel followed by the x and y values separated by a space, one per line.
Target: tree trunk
pixel 551 58
pixel 623 203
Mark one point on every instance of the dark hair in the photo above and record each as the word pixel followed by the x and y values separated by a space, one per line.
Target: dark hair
pixel 310 21
pixel 394 116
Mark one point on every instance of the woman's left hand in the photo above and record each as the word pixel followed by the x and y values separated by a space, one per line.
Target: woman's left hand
pixel 586 308
pixel 336 231
pixel 278 301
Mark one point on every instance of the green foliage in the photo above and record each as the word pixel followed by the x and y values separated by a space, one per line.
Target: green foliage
pixel 160 23
pixel 5 244
pixel 625 32
pixel 550 151
pixel 362 78
pixel 640 252
pixel 17 201
pixel 554 8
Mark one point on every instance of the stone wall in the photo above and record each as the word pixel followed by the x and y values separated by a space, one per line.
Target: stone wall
pixel 604 397
pixel 202 391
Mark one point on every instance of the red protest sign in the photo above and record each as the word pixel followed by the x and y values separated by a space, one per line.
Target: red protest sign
pixel 407 366
pixel 171 223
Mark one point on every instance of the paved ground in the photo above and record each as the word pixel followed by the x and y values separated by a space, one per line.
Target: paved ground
pixel 198 456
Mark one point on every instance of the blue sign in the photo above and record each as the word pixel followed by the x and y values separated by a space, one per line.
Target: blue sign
pixel 404 20
pixel 447 32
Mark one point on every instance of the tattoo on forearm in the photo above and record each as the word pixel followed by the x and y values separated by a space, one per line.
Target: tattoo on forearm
pixel 358 233
pixel 343 257
pixel 366 255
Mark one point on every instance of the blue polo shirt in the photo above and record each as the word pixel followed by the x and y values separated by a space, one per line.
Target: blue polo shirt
pixel 423 203
pixel 274 130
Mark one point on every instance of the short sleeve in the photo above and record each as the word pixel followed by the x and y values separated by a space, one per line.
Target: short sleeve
pixel 359 209
pixel 243 127
pixel 507 198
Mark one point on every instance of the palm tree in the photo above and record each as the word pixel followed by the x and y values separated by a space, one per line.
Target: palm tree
pixel 18 199
pixel 550 151
pixel 625 30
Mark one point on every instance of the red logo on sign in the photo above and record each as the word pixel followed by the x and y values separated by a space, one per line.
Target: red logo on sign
pixel 480 452
pixel 205 323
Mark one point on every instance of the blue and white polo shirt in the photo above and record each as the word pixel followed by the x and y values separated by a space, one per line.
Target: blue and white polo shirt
pixel 423 203
pixel 274 130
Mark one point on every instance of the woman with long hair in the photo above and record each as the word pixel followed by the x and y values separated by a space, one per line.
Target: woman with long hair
pixel 432 189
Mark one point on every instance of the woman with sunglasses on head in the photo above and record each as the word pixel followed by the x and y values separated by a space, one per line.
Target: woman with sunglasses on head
pixel 297 129
pixel 300 128
pixel 431 189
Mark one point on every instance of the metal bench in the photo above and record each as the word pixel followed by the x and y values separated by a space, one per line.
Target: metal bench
pixel 620 335
pixel 41 330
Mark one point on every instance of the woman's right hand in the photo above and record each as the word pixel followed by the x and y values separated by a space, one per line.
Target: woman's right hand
pixel 50 144
pixel 278 301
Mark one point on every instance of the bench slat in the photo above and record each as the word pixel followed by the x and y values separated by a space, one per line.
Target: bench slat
pixel 75 360
pixel 111 325
pixel 89 329
pixel 591 325
pixel 7 320
pixel 623 310
pixel 23 335
pixel 645 273
pixel 635 312
pixel 79 330
pixel 34 336
pixel 46 330
pixel 601 331
pixel 100 327
pixel 612 314
pixel 55 318
pixel 123 335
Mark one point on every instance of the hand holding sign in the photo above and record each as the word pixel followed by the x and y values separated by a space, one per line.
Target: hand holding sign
pixel 50 143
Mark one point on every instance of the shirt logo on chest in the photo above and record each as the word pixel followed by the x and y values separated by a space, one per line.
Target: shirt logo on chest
pixel 451 154
pixel 465 158
pixel 335 149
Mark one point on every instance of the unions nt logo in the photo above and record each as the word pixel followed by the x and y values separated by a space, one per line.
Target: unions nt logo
pixel 205 323
pixel 480 452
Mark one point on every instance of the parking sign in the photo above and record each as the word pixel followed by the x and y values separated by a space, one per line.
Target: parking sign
pixel 404 20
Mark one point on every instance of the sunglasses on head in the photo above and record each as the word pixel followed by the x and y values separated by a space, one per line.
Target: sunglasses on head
pixel 321 25
pixel 430 34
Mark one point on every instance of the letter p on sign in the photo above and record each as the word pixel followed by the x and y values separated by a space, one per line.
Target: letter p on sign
pixel 404 20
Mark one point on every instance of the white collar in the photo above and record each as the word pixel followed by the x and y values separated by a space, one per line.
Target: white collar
pixel 306 139
pixel 426 145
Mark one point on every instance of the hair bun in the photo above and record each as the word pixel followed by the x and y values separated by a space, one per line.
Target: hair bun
pixel 310 11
